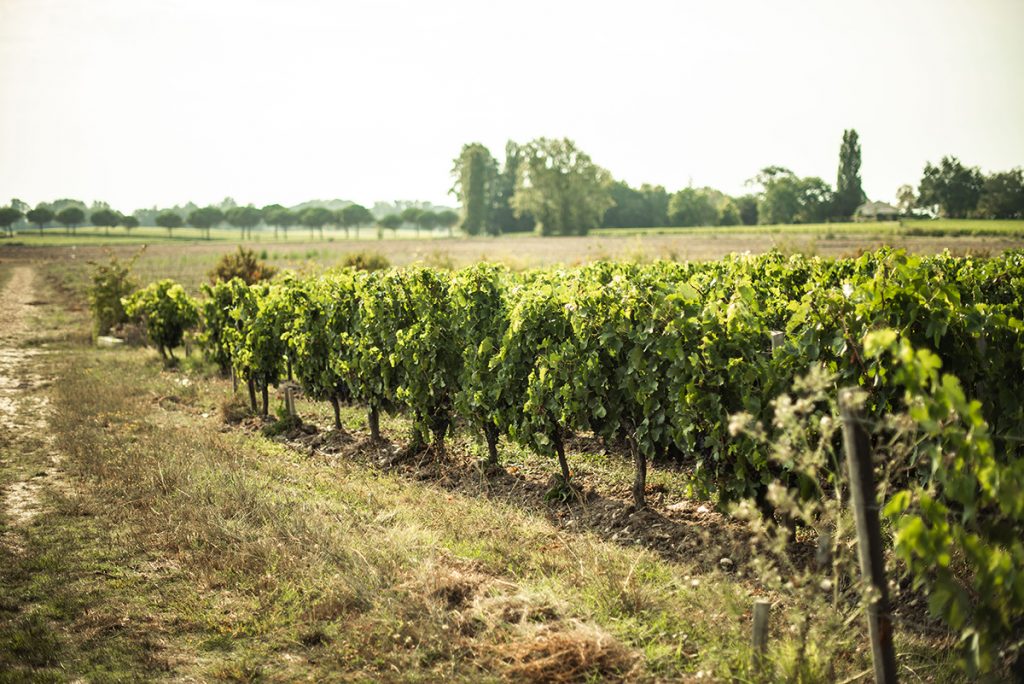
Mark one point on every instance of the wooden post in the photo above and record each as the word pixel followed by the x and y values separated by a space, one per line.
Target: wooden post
pixel 760 634
pixel 869 537
pixel 289 401
pixel 778 338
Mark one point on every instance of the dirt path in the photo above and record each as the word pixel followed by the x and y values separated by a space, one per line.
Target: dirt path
pixel 22 408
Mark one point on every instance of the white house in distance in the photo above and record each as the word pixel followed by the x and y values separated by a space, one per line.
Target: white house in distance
pixel 876 211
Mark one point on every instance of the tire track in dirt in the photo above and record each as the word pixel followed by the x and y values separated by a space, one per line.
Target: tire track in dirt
pixel 23 411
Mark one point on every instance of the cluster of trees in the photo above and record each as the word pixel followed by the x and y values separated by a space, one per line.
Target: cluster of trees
pixel 314 217
pixel 554 187
pixel 956 191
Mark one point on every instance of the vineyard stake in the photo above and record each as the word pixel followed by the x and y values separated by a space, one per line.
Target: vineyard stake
pixel 760 634
pixel 869 537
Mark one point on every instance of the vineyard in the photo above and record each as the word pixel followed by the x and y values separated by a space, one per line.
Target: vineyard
pixel 682 363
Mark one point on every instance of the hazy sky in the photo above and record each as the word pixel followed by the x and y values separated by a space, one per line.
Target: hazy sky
pixel 140 102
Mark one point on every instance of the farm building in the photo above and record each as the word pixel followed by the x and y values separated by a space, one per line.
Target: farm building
pixel 876 211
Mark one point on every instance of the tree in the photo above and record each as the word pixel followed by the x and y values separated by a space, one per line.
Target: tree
pixel 779 200
pixel 747 204
pixel 428 220
pixel 8 217
pixel 129 222
pixel 849 194
pixel 561 187
pixel 279 217
pixel 206 218
pixel 448 219
pixel 692 207
pixel 244 218
pixel 951 187
pixel 70 218
pixel 354 216
pixel 475 172
pixel 169 220
pixel 316 217
pixel 391 221
pixel 816 200
pixel 906 199
pixel 40 216
pixel 729 214
pixel 503 216
pixel 105 218
pixel 412 215
pixel 1002 195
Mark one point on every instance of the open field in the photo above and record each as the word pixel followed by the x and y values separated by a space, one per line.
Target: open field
pixel 889 230
pixel 189 262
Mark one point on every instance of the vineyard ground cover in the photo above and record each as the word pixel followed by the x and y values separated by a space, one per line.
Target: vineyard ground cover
pixel 186 551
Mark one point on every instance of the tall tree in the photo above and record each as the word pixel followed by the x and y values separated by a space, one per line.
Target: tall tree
pixel 40 216
pixel 244 218
pixel 205 218
pixel 70 217
pixel 8 217
pixel 475 172
pixel 561 187
pixel 849 194
pixel 503 216
pixel 169 220
pixel 951 187
pixel 105 218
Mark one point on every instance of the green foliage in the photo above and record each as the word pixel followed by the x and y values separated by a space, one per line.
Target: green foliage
pixel 105 217
pixel 244 218
pixel 243 264
pixel 70 217
pixel 1002 195
pixel 206 218
pixel 111 283
pixel 475 173
pixel 849 193
pixel 366 261
pixel 952 187
pixel 8 217
pixel 215 319
pixel 959 529
pixel 166 311
pixel 316 218
pixel 559 185
pixel 692 207
pixel 40 216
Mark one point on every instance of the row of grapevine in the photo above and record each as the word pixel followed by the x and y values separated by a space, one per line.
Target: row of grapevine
pixel 658 357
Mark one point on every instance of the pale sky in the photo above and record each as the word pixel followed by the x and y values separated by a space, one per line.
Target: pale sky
pixel 143 102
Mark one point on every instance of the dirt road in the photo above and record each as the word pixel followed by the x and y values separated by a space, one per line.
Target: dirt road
pixel 23 409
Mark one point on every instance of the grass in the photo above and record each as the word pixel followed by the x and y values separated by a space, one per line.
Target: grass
pixel 178 550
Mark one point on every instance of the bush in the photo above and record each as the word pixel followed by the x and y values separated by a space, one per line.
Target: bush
pixel 243 264
pixel 366 261
pixel 111 282
pixel 167 312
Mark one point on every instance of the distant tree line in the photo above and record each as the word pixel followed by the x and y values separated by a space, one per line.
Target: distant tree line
pixel 314 217
pixel 554 188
